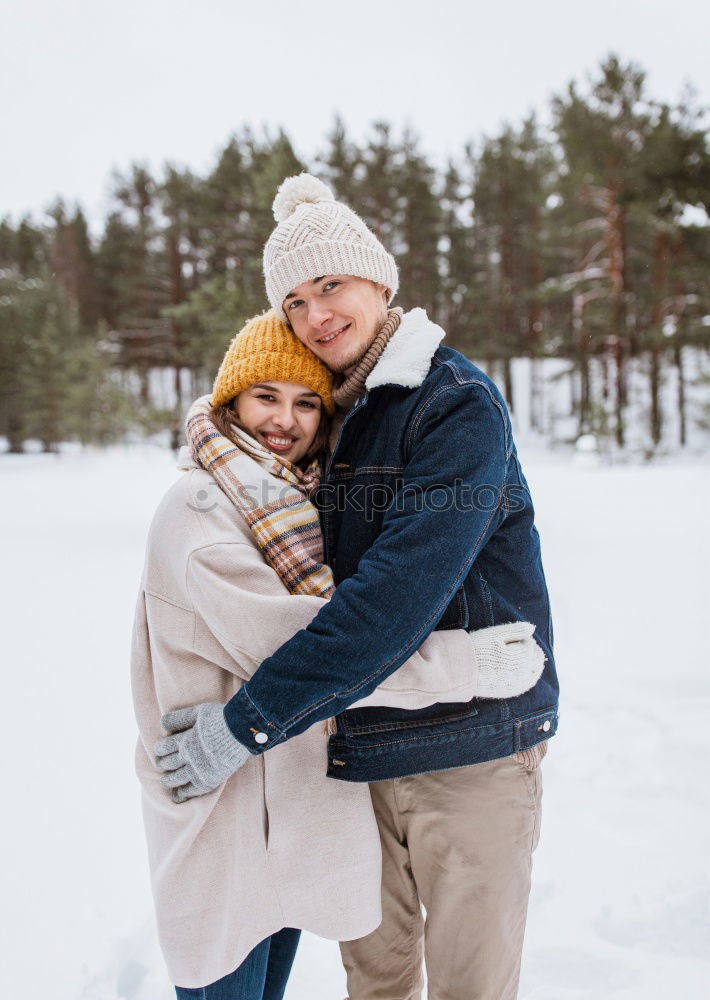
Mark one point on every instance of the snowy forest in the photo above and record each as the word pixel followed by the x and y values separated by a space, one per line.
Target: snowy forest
pixel 580 235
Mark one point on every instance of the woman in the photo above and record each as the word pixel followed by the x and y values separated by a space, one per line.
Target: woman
pixel 234 567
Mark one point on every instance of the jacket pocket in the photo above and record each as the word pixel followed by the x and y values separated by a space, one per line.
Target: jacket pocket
pixel 456 614
pixel 383 720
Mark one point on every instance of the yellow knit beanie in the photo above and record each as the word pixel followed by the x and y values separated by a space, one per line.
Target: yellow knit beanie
pixel 267 349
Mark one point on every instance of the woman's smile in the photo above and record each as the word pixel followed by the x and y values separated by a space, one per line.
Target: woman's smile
pixel 277 441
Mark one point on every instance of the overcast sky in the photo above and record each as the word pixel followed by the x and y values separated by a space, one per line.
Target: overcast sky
pixel 91 85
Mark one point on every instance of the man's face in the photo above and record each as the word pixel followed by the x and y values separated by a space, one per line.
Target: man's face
pixel 337 317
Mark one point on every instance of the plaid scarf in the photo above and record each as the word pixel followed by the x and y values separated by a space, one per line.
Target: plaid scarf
pixel 285 529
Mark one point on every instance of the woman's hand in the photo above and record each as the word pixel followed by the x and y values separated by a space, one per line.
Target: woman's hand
pixel 200 753
pixel 509 660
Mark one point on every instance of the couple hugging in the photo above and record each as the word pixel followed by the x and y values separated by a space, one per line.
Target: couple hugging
pixel 342 660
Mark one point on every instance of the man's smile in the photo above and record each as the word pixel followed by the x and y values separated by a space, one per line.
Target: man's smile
pixel 333 336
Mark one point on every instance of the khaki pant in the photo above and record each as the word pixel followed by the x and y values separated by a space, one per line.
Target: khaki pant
pixel 460 842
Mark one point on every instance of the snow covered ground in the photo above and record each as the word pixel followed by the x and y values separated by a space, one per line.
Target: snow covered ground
pixel 621 900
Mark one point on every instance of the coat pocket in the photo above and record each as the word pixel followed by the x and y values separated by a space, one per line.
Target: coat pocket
pixel 263 804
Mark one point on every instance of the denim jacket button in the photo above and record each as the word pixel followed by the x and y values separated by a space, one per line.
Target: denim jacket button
pixel 261 737
pixel 546 726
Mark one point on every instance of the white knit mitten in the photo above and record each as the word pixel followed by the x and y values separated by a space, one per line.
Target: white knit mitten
pixel 509 660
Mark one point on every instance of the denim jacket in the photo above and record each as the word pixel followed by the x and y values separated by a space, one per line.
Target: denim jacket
pixel 428 524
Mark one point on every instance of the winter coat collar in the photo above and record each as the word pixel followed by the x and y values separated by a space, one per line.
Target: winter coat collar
pixel 406 359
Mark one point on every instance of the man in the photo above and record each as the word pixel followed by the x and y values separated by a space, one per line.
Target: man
pixel 428 524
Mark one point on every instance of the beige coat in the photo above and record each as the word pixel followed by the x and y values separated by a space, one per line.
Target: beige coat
pixel 279 844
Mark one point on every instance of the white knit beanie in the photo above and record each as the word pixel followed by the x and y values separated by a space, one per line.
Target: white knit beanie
pixel 317 235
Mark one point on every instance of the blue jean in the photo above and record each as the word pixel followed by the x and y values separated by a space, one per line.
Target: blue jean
pixel 262 975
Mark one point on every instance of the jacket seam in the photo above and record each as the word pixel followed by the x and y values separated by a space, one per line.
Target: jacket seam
pixel 264 718
pixel 460 384
pixel 167 600
pixel 213 544
pixel 287 723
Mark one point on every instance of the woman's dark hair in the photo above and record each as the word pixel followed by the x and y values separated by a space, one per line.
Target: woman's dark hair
pixel 224 417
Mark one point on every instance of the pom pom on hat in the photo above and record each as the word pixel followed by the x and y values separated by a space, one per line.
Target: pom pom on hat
pixel 295 191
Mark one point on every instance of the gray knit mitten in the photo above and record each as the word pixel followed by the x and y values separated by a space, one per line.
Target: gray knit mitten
pixel 509 660
pixel 200 753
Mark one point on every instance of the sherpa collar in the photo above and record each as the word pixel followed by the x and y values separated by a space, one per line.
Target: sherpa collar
pixel 406 359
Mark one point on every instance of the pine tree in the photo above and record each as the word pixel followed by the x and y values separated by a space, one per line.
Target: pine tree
pixel 419 230
pixel 72 260
pixel 233 206
pixel 134 282
pixel 376 190
pixel 676 172
pixel 271 161
pixel 601 134
pixel 458 306
pixel 18 316
pixel 178 196
pixel 512 182
pixel 54 339
pixel 341 165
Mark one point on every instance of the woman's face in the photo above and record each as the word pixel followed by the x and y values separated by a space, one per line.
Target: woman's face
pixel 282 416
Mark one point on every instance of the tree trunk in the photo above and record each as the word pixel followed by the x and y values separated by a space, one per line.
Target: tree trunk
pixel 144 375
pixel 682 411
pixel 176 297
pixel 536 396
pixel 491 314
pixel 655 385
pixel 508 383
pixel 15 436
pixel 536 336
pixel 620 385
pixel 606 380
pixel 507 281
pixel 581 348
pixel 680 290
pixel 615 244
pixel 660 252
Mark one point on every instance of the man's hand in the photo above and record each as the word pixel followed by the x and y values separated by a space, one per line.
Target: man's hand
pixel 200 753
pixel 509 660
